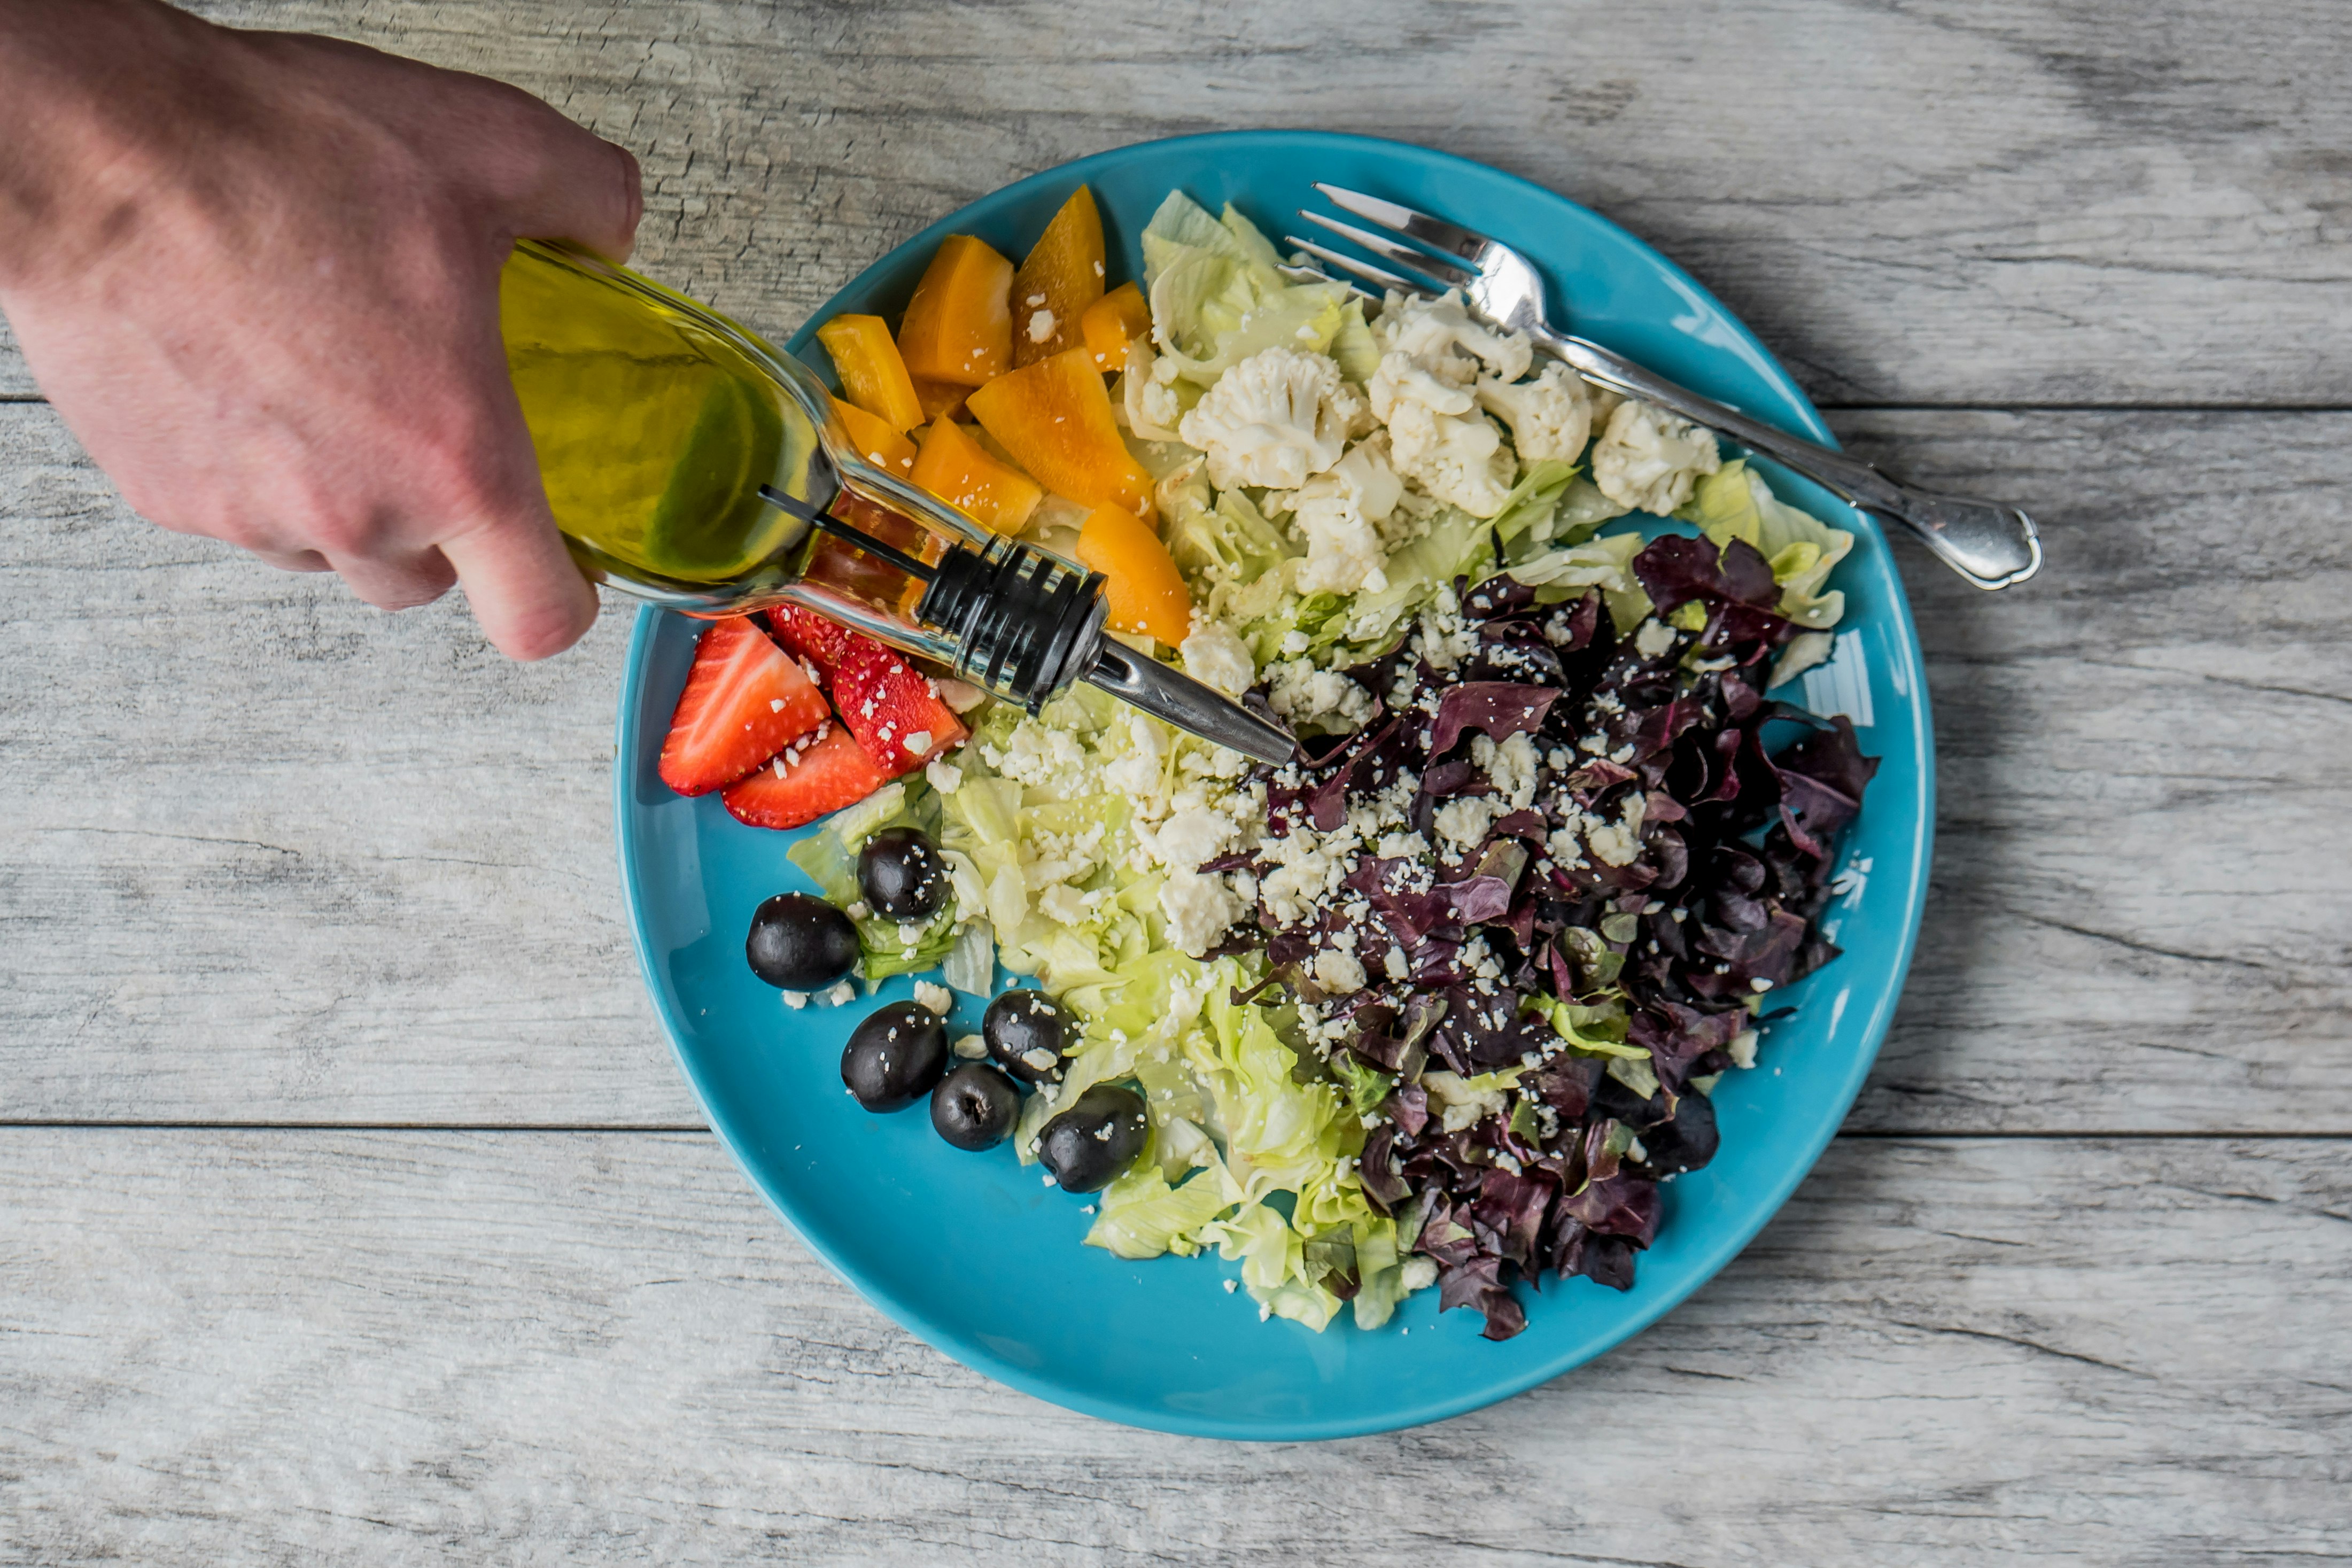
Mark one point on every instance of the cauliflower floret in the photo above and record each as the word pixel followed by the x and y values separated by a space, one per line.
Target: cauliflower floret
pixel 1274 419
pixel 1650 460
pixel 1338 515
pixel 1441 337
pixel 1215 656
pixel 1148 391
pixel 1438 438
pixel 1550 416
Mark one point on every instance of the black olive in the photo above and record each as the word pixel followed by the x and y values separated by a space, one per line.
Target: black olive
pixel 976 1107
pixel 1095 1140
pixel 894 1057
pixel 800 944
pixel 1028 1034
pixel 901 875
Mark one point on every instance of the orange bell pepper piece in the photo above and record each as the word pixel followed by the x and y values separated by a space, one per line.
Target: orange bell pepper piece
pixel 958 325
pixel 954 468
pixel 875 442
pixel 940 399
pixel 1143 589
pixel 1112 322
pixel 1054 417
pixel 873 376
pixel 1060 277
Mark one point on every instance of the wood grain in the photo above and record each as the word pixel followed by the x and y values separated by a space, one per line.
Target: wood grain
pixel 1948 202
pixel 426 1348
pixel 278 858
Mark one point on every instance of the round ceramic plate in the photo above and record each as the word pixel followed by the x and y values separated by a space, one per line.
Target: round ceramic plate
pixel 976 1256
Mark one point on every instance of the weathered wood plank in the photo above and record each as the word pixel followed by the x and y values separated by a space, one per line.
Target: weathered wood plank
pixel 421 1347
pixel 277 857
pixel 1952 201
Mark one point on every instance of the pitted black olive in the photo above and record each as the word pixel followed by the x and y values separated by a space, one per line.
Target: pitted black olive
pixel 895 1056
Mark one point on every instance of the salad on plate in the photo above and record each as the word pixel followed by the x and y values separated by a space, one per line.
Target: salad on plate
pixel 1442 1001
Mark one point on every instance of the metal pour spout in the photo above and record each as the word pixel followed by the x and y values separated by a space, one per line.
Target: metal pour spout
pixel 1186 703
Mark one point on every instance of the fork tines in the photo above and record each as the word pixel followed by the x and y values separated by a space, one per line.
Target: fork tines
pixel 1430 273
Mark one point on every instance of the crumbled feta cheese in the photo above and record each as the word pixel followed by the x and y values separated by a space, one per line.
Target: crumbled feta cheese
pixel 1062 904
pixel 944 776
pixel 972 1049
pixel 1742 1048
pixel 1651 460
pixel 859 910
pixel 1513 771
pixel 1653 638
pixel 1274 419
pixel 917 743
pixel 796 1000
pixel 1339 971
pixel 1215 656
pixel 1041 325
pixel 1198 910
pixel 937 997
pixel 1303 694
pixel 1398 966
pixel 1463 821
pixel 842 994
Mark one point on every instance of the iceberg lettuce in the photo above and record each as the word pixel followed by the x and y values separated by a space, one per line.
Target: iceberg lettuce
pixel 1734 502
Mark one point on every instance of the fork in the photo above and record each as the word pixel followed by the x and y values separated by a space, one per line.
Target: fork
pixel 1990 544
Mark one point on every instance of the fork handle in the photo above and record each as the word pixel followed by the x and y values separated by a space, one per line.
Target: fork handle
pixel 1992 545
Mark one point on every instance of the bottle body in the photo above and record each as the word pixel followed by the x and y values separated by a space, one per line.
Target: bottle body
pixel 692 464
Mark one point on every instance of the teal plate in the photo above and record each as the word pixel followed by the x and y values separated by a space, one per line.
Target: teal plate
pixel 973 1252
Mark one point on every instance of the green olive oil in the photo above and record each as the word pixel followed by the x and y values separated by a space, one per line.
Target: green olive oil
pixel 655 427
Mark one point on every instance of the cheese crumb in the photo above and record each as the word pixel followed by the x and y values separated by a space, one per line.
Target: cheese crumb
pixel 938 998
pixel 1041 325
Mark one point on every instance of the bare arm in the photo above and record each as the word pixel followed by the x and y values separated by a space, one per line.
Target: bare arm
pixel 256 273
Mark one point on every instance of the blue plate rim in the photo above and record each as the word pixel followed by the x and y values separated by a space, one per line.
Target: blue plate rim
pixel 1710 1262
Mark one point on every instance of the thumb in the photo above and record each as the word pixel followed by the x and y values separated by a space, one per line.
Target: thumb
pixel 526 592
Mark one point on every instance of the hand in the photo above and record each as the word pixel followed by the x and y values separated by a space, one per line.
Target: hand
pixel 258 275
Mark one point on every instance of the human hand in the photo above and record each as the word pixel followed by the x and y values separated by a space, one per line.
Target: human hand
pixel 258 275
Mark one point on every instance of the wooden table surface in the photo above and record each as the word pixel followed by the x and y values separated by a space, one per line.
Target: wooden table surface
pixel 351 1207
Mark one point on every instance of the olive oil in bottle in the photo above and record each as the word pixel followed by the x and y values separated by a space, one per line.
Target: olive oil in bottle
pixel 654 422
pixel 692 465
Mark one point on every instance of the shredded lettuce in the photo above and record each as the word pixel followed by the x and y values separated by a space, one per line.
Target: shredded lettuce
pixel 1532 506
pixel 1218 295
pixel 1734 502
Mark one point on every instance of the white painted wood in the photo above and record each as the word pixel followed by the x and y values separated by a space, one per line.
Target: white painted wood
pixel 1954 201
pixel 277 857
pixel 422 1348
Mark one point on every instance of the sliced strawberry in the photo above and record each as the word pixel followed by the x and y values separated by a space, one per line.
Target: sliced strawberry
pixel 827 772
pixel 821 642
pixel 745 700
pixel 894 709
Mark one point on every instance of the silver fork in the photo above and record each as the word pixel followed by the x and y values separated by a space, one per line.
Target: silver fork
pixel 1990 544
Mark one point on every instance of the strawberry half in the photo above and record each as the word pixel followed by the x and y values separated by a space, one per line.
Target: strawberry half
pixel 827 772
pixel 893 708
pixel 745 700
pixel 821 642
